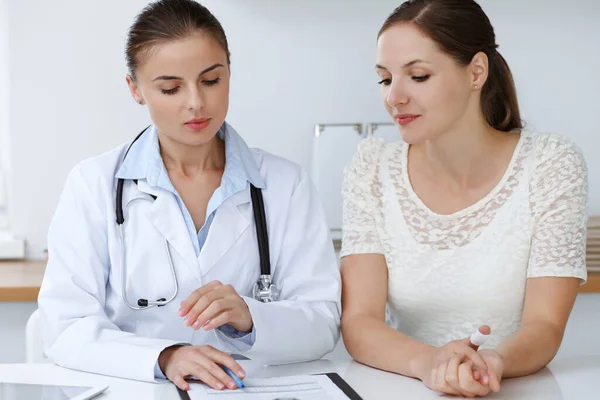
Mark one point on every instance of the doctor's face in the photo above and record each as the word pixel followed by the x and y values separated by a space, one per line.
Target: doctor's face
pixel 185 84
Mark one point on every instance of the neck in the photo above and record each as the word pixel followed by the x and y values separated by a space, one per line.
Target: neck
pixel 463 156
pixel 190 161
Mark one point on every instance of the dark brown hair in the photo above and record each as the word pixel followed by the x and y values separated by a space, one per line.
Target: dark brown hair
pixel 166 20
pixel 461 29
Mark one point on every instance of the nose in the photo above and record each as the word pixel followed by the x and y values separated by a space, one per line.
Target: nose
pixel 195 100
pixel 396 94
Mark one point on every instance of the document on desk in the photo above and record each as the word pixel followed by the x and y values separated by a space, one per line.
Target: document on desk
pixel 301 387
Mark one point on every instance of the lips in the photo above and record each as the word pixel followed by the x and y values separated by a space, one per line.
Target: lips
pixel 198 123
pixel 405 119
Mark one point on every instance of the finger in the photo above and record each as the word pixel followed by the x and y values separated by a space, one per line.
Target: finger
pixel 200 371
pixel 192 299
pixel 494 382
pixel 468 385
pixel 225 317
pixel 218 372
pixel 478 361
pixel 203 302
pixel 440 381
pixel 452 371
pixel 216 307
pixel 478 338
pixel 224 359
pixel 180 383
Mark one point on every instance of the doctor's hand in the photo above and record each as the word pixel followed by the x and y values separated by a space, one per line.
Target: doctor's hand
pixel 213 305
pixel 201 362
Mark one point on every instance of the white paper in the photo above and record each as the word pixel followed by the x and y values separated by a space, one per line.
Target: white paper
pixel 301 387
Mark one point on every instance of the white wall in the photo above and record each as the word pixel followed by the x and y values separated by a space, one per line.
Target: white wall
pixel 295 63
pixel 4 112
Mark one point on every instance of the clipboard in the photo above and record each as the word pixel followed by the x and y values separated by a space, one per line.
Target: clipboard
pixel 343 385
pixel 334 377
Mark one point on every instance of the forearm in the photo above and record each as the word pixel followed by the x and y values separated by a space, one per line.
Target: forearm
pixel 292 331
pixel 530 349
pixel 370 341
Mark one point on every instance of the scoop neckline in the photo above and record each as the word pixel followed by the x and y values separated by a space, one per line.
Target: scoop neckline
pixel 473 207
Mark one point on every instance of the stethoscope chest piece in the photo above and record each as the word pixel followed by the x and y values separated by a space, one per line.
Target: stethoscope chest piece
pixel 264 290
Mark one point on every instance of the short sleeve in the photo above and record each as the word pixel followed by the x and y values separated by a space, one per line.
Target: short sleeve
pixel 558 195
pixel 361 199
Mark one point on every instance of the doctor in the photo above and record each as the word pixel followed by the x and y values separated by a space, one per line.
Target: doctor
pixel 154 258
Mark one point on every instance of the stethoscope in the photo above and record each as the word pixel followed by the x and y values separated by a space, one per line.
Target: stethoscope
pixel 263 290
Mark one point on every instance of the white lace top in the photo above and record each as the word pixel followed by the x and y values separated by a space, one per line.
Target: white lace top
pixel 448 274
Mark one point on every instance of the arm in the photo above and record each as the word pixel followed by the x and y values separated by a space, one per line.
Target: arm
pixel 556 268
pixel 548 303
pixel 304 324
pixel 77 332
pixel 366 336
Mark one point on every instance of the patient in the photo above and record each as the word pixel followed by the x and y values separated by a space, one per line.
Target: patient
pixel 471 220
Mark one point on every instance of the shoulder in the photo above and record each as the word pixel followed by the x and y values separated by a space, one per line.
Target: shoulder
pixel 99 170
pixel 369 151
pixel 364 164
pixel 557 154
pixel 278 171
pixel 559 171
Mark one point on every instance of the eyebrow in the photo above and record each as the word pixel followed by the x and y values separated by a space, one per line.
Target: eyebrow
pixel 176 78
pixel 408 64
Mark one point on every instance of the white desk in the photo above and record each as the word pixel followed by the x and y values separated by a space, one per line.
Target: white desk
pixel 566 378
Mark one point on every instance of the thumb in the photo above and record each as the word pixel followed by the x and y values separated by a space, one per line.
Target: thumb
pixel 479 337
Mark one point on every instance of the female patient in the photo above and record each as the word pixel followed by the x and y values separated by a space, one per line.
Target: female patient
pixel 472 221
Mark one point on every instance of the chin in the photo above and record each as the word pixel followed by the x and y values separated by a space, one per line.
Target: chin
pixel 192 138
pixel 413 136
pixel 415 133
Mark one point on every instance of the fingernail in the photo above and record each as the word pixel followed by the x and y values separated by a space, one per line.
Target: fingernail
pixel 196 325
pixel 241 374
pixel 206 327
pixel 187 321
pixel 221 386
pixel 486 379
pixel 181 312
pixel 186 387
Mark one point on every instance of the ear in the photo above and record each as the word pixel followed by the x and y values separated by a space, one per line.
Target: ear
pixel 134 90
pixel 479 70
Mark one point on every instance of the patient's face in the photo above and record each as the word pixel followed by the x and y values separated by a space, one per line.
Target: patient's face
pixel 182 80
pixel 419 80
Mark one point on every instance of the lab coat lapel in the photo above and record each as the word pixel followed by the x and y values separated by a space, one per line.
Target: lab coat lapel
pixel 165 215
pixel 231 220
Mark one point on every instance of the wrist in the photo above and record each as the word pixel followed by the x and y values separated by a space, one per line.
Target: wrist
pixel 246 324
pixel 420 362
pixel 165 356
pixel 244 327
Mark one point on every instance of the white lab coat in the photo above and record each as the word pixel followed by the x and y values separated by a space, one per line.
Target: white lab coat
pixel 87 325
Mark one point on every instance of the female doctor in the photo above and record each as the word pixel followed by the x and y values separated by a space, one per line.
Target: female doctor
pixel 154 258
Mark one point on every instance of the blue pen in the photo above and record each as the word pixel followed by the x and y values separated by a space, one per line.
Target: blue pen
pixel 233 376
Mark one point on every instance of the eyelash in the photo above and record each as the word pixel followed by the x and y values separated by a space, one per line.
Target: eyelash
pixel 176 89
pixel 421 78
pixel 170 91
pixel 213 82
